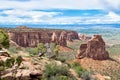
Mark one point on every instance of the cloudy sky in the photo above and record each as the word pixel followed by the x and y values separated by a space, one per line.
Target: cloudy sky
pixel 59 11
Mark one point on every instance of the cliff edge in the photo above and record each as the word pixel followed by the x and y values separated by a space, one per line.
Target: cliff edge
pixel 28 37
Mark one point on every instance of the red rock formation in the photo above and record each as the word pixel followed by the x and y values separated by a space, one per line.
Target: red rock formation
pixel 72 35
pixel 95 48
pixel 31 37
pixel 82 50
pixel 55 37
pixel 63 39
pixel 22 27
pixel 84 37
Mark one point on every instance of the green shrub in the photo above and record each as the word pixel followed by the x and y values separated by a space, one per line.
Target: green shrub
pixel 56 50
pixel 60 59
pixel 19 60
pixel 13 49
pixel 41 48
pixel 62 78
pixel 52 46
pixel 32 51
pixel 82 73
pixel 2 65
pixel 75 64
pixel 3 79
pixel 86 75
pixel 10 62
pixel 79 70
pixel 4 39
pixel 52 71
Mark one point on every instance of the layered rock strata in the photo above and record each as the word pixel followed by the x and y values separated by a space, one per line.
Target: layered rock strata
pixel 31 37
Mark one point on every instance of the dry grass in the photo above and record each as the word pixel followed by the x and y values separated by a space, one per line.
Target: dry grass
pixel 106 67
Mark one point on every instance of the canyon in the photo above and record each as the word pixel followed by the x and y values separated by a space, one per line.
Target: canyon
pixel 28 37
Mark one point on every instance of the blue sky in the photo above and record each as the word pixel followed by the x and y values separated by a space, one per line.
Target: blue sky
pixel 59 12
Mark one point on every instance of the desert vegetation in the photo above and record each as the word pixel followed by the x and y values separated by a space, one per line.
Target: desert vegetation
pixel 47 62
pixel 9 63
pixel 4 39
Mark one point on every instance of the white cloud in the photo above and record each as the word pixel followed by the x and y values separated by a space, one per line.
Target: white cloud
pixel 111 17
pixel 26 16
pixel 29 13
pixel 65 20
pixel 26 9
pixel 50 18
pixel 60 4
pixel 114 16
pixel 111 5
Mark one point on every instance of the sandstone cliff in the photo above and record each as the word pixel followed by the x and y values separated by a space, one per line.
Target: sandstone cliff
pixel 95 48
pixel 27 37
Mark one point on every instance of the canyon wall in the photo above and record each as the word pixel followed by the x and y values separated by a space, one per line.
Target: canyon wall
pixel 31 37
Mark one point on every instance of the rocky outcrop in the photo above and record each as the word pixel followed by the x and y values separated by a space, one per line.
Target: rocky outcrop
pixel 55 37
pixel 27 37
pixel 72 35
pixel 22 27
pixel 95 48
pixel 63 39
pixel 35 75
pixel 82 50
pixel 4 53
pixel 84 37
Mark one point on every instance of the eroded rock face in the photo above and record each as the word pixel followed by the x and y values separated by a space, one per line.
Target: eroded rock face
pixel 55 37
pixel 30 38
pixel 84 37
pixel 63 39
pixel 71 36
pixel 82 50
pixel 95 48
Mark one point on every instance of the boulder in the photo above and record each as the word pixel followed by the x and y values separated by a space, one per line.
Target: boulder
pixel 4 53
pixel 35 74
pixel 95 49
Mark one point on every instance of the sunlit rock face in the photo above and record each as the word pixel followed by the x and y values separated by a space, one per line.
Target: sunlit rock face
pixel 84 37
pixel 55 37
pixel 95 48
pixel 31 37
pixel 63 38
